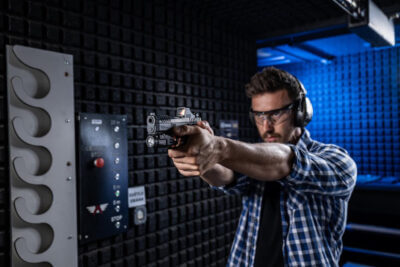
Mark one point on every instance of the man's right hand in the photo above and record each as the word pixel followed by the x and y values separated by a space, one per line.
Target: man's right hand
pixel 187 165
pixel 184 162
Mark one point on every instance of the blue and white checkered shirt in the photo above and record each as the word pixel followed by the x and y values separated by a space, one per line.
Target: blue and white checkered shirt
pixel 313 202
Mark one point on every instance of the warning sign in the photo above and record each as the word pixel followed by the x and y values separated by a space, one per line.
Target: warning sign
pixel 136 196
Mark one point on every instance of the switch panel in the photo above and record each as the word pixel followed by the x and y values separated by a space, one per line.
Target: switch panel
pixel 103 176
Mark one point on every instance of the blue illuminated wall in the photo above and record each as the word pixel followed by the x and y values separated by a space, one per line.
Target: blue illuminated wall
pixel 356 105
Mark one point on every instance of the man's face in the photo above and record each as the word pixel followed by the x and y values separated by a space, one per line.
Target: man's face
pixel 282 131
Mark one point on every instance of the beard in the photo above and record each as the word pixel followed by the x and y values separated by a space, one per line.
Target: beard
pixel 289 136
pixel 267 138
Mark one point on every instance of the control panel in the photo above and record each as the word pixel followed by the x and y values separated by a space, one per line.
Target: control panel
pixel 103 176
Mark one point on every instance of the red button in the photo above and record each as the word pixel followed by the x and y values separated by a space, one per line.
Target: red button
pixel 99 162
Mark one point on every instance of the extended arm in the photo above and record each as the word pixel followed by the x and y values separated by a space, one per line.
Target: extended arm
pixel 214 158
pixel 328 169
pixel 261 161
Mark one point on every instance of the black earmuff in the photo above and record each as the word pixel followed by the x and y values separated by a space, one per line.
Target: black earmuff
pixel 303 109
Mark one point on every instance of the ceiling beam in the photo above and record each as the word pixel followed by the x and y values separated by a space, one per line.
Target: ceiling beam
pixel 321 29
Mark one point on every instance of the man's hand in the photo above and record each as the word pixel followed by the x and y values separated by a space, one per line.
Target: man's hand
pixel 200 153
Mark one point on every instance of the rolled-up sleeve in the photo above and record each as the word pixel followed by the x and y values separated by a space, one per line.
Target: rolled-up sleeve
pixel 327 170
pixel 238 187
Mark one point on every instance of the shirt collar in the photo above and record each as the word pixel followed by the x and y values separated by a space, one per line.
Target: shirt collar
pixel 305 140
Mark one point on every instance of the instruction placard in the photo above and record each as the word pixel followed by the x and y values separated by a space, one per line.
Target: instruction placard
pixel 136 196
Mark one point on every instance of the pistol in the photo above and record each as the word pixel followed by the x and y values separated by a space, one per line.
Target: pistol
pixel 159 127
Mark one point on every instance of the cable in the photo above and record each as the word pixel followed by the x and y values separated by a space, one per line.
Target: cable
pixel 351 7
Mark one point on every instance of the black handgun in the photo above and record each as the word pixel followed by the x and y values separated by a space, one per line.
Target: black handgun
pixel 159 127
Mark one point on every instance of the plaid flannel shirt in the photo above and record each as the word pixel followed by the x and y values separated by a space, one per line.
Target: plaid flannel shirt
pixel 313 207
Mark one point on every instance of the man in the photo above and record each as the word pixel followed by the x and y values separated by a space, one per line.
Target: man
pixel 295 190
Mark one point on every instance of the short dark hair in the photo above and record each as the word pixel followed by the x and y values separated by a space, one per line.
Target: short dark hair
pixel 271 79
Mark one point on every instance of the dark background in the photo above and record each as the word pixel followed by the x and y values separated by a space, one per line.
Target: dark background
pixel 136 57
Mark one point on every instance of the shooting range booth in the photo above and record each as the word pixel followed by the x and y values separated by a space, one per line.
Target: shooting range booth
pixel 81 186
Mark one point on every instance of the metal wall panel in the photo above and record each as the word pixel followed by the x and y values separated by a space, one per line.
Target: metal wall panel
pixel 42 157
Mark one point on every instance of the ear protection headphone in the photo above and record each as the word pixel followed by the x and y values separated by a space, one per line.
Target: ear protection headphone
pixel 303 110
